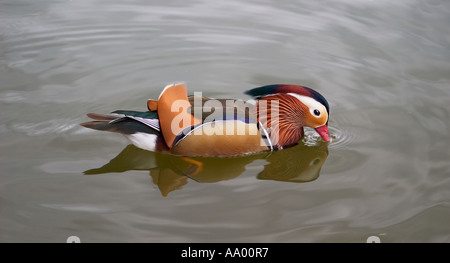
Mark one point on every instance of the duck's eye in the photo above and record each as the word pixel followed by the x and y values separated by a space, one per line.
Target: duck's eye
pixel 316 112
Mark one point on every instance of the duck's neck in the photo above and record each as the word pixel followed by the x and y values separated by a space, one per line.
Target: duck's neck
pixel 282 116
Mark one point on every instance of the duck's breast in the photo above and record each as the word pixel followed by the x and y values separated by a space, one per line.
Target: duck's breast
pixel 222 138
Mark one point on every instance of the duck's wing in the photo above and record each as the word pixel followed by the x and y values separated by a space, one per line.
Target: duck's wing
pixel 174 112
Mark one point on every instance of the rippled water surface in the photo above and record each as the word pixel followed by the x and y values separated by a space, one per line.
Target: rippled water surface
pixel 384 67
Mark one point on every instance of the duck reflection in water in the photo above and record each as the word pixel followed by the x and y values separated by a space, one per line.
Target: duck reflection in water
pixel 297 164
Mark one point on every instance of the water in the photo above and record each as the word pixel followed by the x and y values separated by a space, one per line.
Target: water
pixel 384 67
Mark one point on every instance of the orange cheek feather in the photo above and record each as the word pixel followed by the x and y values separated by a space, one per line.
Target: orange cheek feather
pixel 314 122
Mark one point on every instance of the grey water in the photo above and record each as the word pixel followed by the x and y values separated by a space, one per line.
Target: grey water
pixel 384 67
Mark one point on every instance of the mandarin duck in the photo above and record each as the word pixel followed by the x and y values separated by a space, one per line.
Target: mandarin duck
pixel 197 126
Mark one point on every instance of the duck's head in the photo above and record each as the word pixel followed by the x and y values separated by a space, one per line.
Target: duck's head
pixel 317 111
pixel 298 107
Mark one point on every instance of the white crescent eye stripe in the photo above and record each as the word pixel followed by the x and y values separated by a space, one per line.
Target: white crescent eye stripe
pixel 311 103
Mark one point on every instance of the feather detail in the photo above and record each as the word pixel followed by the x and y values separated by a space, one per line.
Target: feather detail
pixel 173 112
pixel 152 123
pixel 146 114
pixel 101 117
pixel 269 90
pixel 283 117
pixel 285 88
pixel 278 88
pixel 144 133
pixel 152 105
pixel 125 122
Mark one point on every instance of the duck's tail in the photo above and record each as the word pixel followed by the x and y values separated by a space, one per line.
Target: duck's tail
pixel 142 128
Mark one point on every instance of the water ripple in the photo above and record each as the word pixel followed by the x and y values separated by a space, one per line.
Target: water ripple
pixel 387 165
pixel 341 137
pixel 57 126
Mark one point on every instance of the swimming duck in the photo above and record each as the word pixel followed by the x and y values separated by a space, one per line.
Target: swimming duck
pixel 199 126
